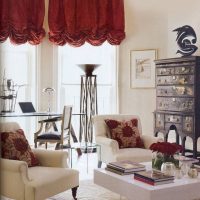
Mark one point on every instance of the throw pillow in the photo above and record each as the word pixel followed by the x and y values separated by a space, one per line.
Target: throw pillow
pixel 126 133
pixel 14 146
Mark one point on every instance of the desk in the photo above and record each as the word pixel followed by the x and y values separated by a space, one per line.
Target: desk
pixel 44 114
pixel 35 114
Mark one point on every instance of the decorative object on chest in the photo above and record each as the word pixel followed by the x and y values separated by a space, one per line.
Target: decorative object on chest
pixel 178 99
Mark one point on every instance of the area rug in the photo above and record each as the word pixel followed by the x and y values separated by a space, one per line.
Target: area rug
pixel 88 191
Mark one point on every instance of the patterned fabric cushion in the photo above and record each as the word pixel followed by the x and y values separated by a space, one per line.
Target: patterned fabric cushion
pixel 15 146
pixel 126 133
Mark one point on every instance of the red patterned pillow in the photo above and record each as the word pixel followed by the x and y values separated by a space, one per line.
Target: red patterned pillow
pixel 126 133
pixel 15 146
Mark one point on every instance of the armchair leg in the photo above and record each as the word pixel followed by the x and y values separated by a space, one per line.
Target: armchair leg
pixel 58 146
pixel 99 163
pixel 74 191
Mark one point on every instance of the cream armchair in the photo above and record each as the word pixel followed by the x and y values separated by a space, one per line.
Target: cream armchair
pixel 20 182
pixel 110 151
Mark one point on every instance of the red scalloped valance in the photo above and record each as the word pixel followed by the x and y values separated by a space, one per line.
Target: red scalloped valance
pixel 78 21
pixel 22 21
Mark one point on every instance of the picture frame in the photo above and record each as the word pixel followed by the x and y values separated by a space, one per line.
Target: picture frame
pixel 142 68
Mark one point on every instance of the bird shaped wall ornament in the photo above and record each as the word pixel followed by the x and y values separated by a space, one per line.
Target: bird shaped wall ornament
pixel 186 39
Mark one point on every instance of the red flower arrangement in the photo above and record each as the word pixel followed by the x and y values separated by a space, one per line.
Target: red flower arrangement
pixel 166 148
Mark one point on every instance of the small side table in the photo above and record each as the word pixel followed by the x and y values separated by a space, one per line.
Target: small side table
pixel 86 146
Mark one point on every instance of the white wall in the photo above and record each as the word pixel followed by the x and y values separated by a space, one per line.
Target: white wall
pixel 149 25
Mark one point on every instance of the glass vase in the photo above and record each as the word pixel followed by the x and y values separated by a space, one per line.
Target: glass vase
pixel 157 160
pixel 168 168
pixel 160 158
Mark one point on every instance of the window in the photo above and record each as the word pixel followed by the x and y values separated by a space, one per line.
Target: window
pixel 69 75
pixel 19 64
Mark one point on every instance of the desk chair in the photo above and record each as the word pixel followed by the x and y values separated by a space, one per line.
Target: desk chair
pixel 46 135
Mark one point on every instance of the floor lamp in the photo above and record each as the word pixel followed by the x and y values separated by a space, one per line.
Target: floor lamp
pixel 88 102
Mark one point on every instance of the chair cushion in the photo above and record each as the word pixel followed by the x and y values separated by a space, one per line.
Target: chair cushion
pixel 48 181
pixel 50 136
pixel 15 146
pixel 126 133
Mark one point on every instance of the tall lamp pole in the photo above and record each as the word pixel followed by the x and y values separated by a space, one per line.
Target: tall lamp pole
pixel 88 102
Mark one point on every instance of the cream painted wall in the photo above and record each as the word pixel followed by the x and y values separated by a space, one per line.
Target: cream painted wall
pixel 149 25
pixel 47 74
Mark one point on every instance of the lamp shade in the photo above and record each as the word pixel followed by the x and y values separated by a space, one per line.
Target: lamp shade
pixel 88 68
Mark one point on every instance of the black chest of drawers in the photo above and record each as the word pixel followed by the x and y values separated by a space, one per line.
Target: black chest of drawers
pixel 178 98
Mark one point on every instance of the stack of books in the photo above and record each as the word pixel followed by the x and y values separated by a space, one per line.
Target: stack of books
pixel 153 177
pixel 125 167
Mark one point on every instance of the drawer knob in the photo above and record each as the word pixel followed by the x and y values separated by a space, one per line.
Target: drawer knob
pixel 183 69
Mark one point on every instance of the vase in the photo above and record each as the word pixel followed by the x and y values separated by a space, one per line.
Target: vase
pixel 168 168
pixel 160 158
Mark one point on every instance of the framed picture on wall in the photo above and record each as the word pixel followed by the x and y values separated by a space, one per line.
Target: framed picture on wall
pixel 142 68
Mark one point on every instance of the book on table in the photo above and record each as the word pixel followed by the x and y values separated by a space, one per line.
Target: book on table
pixel 117 171
pixel 154 183
pixel 126 166
pixel 153 177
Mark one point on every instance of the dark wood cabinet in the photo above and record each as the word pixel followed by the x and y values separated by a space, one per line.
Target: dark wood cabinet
pixel 178 98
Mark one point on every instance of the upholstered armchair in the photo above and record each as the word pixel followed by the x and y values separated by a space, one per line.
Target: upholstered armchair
pixel 52 176
pixel 110 150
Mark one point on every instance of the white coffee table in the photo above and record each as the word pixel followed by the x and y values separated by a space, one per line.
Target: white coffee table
pixel 182 189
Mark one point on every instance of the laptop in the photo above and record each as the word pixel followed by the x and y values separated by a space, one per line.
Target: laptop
pixel 27 107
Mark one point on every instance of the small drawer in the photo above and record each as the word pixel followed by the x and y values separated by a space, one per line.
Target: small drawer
pixel 165 71
pixel 188 124
pixel 175 91
pixel 184 70
pixel 175 104
pixel 173 118
pixel 175 79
